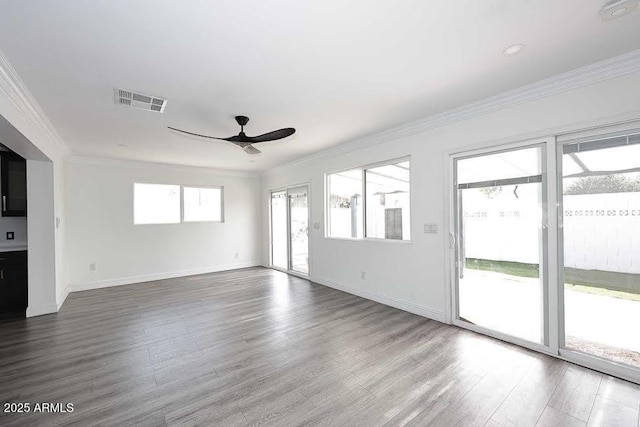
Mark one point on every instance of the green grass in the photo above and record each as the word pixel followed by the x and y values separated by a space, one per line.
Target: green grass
pixel 603 291
pixel 507 267
pixel 608 283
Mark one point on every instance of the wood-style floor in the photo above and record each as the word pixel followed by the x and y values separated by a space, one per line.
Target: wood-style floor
pixel 256 346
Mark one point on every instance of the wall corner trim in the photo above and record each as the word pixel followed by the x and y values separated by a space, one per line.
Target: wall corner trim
pixel 410 307
pixel 63 297
pixel 18 94
pixel 43 309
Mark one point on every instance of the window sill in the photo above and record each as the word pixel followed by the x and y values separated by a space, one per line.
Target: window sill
pixel 371 239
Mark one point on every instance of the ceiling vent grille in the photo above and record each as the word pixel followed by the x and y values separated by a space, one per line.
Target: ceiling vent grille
pixel 138 100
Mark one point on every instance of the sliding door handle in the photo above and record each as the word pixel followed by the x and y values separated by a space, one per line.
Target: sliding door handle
pixel 4 203
pixel 452 241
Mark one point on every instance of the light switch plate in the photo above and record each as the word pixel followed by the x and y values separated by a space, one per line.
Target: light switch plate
pixel 431 228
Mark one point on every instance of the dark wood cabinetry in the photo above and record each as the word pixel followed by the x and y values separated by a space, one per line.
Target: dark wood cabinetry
pixel 13 284
pixel 13 180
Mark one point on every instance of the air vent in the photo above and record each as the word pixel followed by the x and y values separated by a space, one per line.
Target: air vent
pixel 138 100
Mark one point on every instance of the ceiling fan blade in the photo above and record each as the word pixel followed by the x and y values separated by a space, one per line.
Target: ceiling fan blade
pixel 197 134
pixel 239 139
pixel 272 136
pixel 250 149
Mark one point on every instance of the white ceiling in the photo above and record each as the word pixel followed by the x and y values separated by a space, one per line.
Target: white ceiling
pixel 335 70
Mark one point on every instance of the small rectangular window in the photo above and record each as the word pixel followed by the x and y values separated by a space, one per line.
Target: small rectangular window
pixel 156 204
pixel 202 204
pixel 387 201
pixel 345 204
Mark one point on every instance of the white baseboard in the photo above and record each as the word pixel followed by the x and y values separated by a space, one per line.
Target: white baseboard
pixel 98 284
pixel 40 310
pixel 63 298
pixel 383 299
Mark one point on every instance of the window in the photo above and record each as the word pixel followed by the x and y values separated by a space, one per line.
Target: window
pixel 202 204
pixel 386 190
pixel 156 204
pixel 345 204
pixel 162 204
pixel 387 201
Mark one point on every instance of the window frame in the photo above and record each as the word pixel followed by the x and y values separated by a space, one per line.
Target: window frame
pixel 327 203
pixel 181 201
pixel 363 169
pixel 208 187
pixel 133 210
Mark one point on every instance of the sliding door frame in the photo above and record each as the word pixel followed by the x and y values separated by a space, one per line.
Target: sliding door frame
pixel 554 258
pixel 286 189
pixel 271 192
pixel 547 274
pixel 591 361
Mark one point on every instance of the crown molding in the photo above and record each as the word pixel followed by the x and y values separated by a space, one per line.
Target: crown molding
pixel 141 164
pixel 16 91
pixel 588 75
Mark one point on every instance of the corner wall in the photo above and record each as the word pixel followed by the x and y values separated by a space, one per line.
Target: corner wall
pixel 25 129
pixel 41 239
pixel 100 227
pixel 412 275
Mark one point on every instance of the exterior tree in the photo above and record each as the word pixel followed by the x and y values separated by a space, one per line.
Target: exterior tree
pixel 603 184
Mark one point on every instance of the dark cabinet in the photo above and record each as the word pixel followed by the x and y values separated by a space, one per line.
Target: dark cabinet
pixel 13 180
pixel 13 284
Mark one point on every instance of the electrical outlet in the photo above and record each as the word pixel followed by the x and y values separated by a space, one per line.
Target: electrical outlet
pixel 10 235
pixel 237 255
pixel 316 226
pixel 92 267
pixel 362 275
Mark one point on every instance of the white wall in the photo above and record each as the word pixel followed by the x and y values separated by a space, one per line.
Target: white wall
pixel 412 275
pixel 41 239
pixel 100 227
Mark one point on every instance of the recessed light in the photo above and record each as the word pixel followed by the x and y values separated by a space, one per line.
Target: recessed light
pixel 617 9
pixel 122 145
pixel 512 50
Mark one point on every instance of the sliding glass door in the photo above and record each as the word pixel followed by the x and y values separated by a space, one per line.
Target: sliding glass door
pixel 279 250
pixel 600 198
pixel 545 248
pixel 299 229
pixel 290 229
pixel 499 200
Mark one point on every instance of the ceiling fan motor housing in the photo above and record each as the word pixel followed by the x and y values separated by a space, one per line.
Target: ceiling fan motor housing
pixel 242 120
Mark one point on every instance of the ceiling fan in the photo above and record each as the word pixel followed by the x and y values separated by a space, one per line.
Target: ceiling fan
pixel 246 142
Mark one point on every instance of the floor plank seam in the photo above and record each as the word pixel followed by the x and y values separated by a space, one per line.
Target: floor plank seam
pixel 594 400
pixel 555 387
